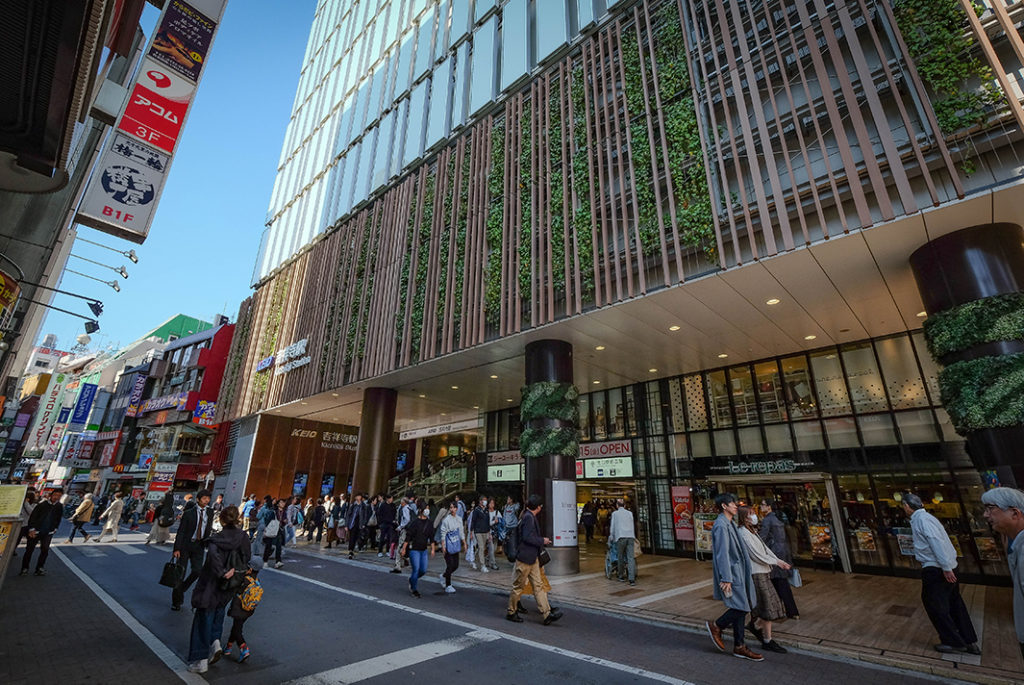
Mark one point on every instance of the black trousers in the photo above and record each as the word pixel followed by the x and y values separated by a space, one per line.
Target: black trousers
pixel 190 556
pixel 785 592
pixel 946 609
pixel 451 564
pixel 735 619
pixel 236 637
pixel 354 537
pixel 273 546
pixel 387 536
pixel 44 550
pixel 77 527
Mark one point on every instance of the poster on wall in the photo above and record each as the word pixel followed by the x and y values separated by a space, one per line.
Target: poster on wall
pixel 682 516
pixel 299 484
pixel 821 541
pixel 988 549
pixel 905 541
pixel 865 540
pixel 563 513
pixel 135 399
pixel 703 523
pixel 327 485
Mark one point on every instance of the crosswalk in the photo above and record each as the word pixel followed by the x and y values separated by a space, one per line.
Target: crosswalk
pixel 101 550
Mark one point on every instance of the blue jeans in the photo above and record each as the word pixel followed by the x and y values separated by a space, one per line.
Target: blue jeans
pixel 418 559
pixel 207 626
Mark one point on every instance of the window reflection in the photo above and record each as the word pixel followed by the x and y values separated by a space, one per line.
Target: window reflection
pixel 828 381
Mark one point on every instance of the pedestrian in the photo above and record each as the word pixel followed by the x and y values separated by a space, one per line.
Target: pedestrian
pixel 342 520
pixel 733 583
pixel 190 545
pixel 405 516
pixel 246 512
pixel 229 554
pixel 81 516
pixel 496 521
pixel 773 532
pixel 460 507
pixel 217 507
pixel 42 524
pixel 293 520
pixel 940 590
pixel 603 515
pixel 271 529
pixel 27 505
pixel 307 517
pixel 453 537
pixel 160 532
pixel 527 568
pixel 242 607
pixel 1004 511
pixel 113 517
pixel 100 507
pixel 419 536
pixel 358 515
pixel 768 606
pixel 138 509
pixel 386 522
pixel 588 518
pixel 316 521
pixel 372 524
pixel 479 525
pixel 622 534
pixel 511 514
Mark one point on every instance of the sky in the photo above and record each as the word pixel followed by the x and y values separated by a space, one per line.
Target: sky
pixel 198 258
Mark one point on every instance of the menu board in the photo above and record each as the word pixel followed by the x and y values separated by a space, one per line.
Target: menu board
pixel 988 549
pixel 865 540
pixel 905 541
pixel 821 541
pixel 703 523
pixel 11 499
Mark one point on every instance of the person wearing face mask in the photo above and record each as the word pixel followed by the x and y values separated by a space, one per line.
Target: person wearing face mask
pixel 419 537
pixel 773 532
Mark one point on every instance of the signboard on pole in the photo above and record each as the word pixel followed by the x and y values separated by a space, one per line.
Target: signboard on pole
pixel 46 415
pixel 80 415
pixel 135 399
pixel 123 193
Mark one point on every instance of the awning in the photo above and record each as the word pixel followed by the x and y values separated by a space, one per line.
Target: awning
pixel 191 471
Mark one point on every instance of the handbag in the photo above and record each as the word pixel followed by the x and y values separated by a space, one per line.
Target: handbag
pixel 794 577
pixel 543 558
pixel 272 529
pixel 172 574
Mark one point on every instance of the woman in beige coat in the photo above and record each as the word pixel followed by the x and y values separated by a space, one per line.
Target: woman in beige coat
pixel 82 516
pixel 113 517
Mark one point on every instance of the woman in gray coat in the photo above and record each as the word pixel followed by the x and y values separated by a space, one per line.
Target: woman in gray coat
pixel 773 532
pixel 734 584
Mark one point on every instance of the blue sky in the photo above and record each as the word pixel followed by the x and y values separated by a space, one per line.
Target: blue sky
pixel 198 258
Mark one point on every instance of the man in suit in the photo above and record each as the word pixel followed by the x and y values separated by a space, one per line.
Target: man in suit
pixel 42 524
pixel 190 543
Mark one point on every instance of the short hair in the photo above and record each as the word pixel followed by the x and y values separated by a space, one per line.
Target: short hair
pixel 421 505
pixel 723 499
pixel 58 489
pixel 203 493
pixel 912 501
pixel 620 502
pixel 389 496
pixel 770 503
pixel 229 516
pixel 534 501
pixel 1004 498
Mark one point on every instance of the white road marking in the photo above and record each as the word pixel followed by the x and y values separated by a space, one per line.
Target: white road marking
pixel 658 596
pixel 89 550
pixel 588 576
pixel 403 658
pixel 614 665
pixel 128 549
pixel 163 652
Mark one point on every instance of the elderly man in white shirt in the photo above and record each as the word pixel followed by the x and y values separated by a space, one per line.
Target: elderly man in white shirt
pixel 940 591
pixel 623 535
pixel 1004 511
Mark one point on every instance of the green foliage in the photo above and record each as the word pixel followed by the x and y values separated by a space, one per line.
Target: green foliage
pixel 542 442
pixel 942 46
pixel 583 211
pixel 410 234
pixel 460 242
pixel 426 221
pixel 495 223
pixel 447 228
pixel 984 393
pixel 550 400
pixel 271 331
pixel 353 342
pixel 526 201
pixel 991 319
pixel 556 188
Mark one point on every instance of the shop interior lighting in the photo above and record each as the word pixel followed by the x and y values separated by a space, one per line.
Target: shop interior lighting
pixel 772 301
pixel 810 337
pixel 673 328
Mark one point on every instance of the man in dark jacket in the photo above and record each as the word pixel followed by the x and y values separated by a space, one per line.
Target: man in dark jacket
pixel 773 532
pixel 531 543
pixel 42 524
pixel 190 543
pixel 356 516
pixel 479 525
pixel 386 520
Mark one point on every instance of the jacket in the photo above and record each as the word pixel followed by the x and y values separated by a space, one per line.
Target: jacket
pixel 731 565
pixel 84 510
pixel 208 594
pixel 357 515
pixel 113 513
pixel 386 514
pixel 1015 559
pixel 46 517
pixel 187 530
pixel 762 559
pixel 479 521
pixel 773 532
pixel 531 541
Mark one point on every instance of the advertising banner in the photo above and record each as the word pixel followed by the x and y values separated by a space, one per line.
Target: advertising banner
pixel 563 513
pixel 203 413
pixel 703 523
pixel 682 516
pixel 86 395
pixel 107 456
pixel 122 195
pixel 9 291
pixel 46 415
pixel 135 399
pixel 821 541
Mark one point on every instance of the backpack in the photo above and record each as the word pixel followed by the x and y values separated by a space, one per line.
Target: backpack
pixel 272 529
pixel 452 542
pixel 251 594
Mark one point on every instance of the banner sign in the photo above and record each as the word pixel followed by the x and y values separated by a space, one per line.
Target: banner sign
pixel 682 516
pixel 46 415
pixel 9 291
pixel 703 523
pixel 563 513
pixel 122 194
pixel 86 395
pixel 203 413
pixel 135 399
pixel 176 401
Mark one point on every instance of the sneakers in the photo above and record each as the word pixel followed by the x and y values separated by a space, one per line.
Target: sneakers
pixel 514 617
pixel 380 554
pixel 227 650
pixel 87 536
pixel 416 594
pixel 632 583
pixel 744 652
pixel 351 556
pixel 973 648
pixel 40 571
pixel 773 646
pixel 24 572
pixel 756 632
pixel 175 607
pixel 278 564
pixel 396 570
pixel 243 653
pixel 473 564
pixel 441 576
pixel 450 589
pixel 552 617
pixel 215 652
pixel 201 666
pixel 716 635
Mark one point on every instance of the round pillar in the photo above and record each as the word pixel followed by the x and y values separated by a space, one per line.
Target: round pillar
pixel 376 440
pixel 550 446
pixel 971 282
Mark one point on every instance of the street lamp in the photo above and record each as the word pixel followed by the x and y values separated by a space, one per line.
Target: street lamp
pixel 119 270
pixel 130 254
pixel 91 325
pixel 112 284
pixel 94 304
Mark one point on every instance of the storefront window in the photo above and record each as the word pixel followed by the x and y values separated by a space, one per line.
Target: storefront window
pixel 743 398
pixel 616 414
pixel 631 412
pixel 750 441
pixel 696 411
pixel 841 433
pixel 600 415
pixel 877 429
pixel 718 396
pixel 928 365
pixel 866 387
pixel 584 406
pixel 657 457
pixel 991 550
pixel 902 377
pixel 797 388
pixel 681 465
pixel 700 445
pixel 769 392
pixel 675 393
pixel 654 423
pixel 828 381
pixel 725 443
pixel 808 435
pixel 864 540
pixel 779 439
pixel 916 426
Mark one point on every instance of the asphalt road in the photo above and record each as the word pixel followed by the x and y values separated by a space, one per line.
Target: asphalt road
pixel 335 621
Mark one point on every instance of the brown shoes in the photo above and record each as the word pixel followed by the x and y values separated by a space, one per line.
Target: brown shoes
pixel 716 635
pixel 745 652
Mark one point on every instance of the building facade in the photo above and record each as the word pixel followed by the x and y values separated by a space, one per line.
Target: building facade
pixel 664 185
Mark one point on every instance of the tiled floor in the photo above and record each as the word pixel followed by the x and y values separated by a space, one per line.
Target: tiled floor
pixel 877 618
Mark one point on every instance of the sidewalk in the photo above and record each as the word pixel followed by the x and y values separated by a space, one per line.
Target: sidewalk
pixel 878 619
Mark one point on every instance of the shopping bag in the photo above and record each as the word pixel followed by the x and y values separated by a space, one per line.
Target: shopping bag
pixel 794 577
pixel 172 574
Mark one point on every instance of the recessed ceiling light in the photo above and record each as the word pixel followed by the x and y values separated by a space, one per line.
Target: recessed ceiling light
pixel 599 348
pixel 723 355
pixel 455 387
pixel 844 330
pixel 509 399
pixel 652 370
pixel 443 414
pixel 810 337
pixel 304 403
pixel 476 406
pixel 772 301
pixel 674 328
pixel 334 394
pixel 921 315
pixel 422 396
pixel 494 375
pixel 597 382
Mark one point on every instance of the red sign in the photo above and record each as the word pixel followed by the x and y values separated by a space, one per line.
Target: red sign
pixel 156 109
pixel 160 486
pixel 616 448
pixel 682 512
pixel 579 468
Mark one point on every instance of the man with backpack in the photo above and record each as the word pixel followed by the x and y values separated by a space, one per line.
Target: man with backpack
pixel 405 516
pixel 357 518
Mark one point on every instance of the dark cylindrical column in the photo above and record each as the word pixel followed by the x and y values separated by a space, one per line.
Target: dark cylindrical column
pixel 968 280
pixel 376 440
pixel 553 476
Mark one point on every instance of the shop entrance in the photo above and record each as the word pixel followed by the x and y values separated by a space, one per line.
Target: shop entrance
pixel 807 506
pixel 604 493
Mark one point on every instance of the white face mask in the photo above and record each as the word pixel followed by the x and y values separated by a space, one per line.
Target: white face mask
pixel 753 519
pixel 426 512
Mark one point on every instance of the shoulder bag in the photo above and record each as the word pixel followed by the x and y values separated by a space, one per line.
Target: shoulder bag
pixel 172 574
pixel 543 558
pixel 272 529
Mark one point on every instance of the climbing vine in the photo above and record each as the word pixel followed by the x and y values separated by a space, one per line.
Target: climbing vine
pixel 495 223
pixel 427 219
pixel 460 242
pixel 940 42
pixel 526 203
pixel 271 331
pixel 403 288
pixel 447 228
pixel 556 185
pixel 582 211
